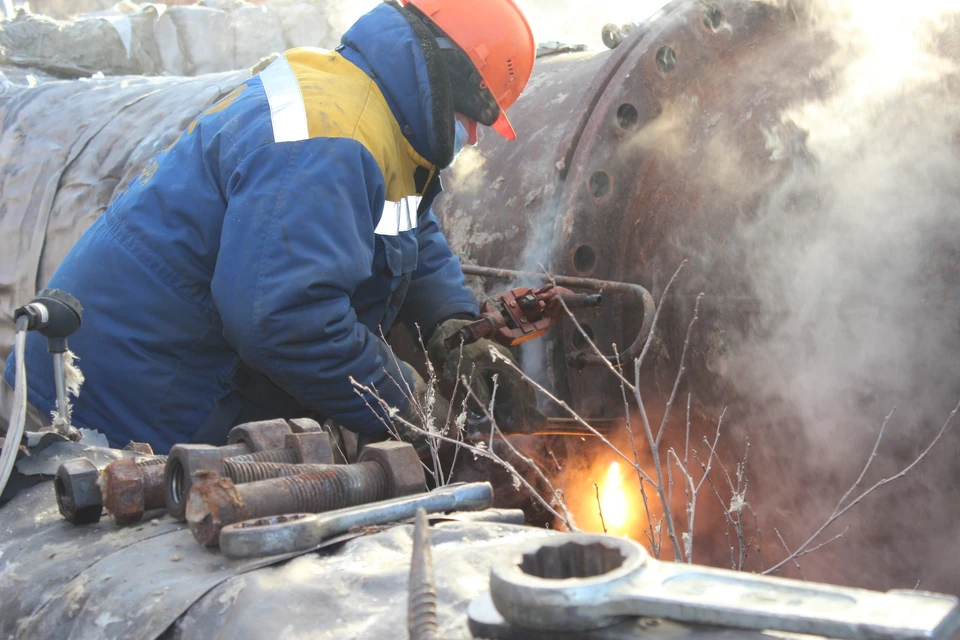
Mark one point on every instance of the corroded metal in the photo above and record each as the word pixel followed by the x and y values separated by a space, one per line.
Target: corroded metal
pixel 214 504
pixel 615 174
pixel 581 359
pixel 385 469
pixel 132 487
pixel 244 472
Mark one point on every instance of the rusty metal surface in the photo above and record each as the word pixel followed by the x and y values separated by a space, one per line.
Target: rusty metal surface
pixel 132 487
pixel 260 436
pixel 580 358
pixel 216 502
pixel 245 472
pixel 617 181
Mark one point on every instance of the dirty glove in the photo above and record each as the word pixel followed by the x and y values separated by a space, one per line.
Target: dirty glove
pixel 515 408
pixel 428 411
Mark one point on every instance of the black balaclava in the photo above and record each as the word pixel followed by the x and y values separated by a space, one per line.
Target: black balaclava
pixel 469 98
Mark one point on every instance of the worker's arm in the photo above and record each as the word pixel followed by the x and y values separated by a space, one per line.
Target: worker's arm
pixel 297 239
pixel 437 291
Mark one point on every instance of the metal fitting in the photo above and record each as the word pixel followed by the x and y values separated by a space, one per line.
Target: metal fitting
pixel 311 447
pixel 78 491
pixel 131 487
pixel 187 460
pixel 386 469
pixel 401 465
pixel 260 436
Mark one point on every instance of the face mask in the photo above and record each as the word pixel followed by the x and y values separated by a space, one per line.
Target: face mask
pixel 460 139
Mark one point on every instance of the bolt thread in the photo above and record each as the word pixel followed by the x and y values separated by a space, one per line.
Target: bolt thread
pixel 244 472
pixel 288 456
pixel 151 462
pixel 338 487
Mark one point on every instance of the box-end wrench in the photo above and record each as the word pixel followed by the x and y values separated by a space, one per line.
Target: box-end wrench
pixel 303 531
pixel 583 581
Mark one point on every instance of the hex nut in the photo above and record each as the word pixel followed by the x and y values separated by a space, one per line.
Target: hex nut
pixel 260 436
pixel 184 461
pixel 311 448
pixel 400 463
pixel 78 491
pixel 304 425
pixel 123 491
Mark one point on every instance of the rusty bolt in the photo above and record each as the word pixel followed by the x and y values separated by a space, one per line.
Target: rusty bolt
pixel 78 491
pixel 245 472
pixel 186 460
pixel 260 436
pixel 286 456
pixel 131 487
pixel 311 447
pixel 217 502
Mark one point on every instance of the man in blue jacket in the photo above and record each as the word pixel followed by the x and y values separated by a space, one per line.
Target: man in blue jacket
pixel 250 270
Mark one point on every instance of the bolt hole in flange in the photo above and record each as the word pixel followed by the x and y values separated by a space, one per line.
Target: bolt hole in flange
pixel 584 258
pixel 572 560
pixel 666 59
pixel 627 116
pixel 600 184
pixel 579 341
pixel 712 17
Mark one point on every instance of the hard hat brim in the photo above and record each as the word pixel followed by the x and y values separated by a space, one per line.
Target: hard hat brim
pixel 503 127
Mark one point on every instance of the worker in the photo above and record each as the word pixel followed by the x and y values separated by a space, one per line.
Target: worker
pixel 252 270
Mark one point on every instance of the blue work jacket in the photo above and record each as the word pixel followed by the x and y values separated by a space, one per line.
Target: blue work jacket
pixel 251 269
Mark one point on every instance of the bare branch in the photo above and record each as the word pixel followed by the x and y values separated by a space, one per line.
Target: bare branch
pixel 792 556
pixel 603 524
pixel 838 512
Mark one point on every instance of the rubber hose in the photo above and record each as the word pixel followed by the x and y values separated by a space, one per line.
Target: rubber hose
pixel 18 416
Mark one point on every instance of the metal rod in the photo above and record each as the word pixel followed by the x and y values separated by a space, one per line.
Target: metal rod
pixel 63 420
pixel 581 359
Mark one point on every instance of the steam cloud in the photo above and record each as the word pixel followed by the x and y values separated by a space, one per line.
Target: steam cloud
pixel 853 258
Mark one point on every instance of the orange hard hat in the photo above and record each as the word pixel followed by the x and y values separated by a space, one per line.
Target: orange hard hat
pixel 497 38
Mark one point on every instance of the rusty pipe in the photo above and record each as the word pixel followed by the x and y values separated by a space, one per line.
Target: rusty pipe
pixel 581 359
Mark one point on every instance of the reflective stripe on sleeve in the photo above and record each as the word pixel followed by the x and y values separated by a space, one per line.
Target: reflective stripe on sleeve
pixel 398 216
pixel 287 113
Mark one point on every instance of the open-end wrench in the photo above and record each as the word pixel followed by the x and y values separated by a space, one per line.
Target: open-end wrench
pixel 582 581
pixel 303 531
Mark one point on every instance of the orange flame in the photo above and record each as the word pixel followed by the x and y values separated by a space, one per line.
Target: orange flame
pixel 614 504
pixel 606 489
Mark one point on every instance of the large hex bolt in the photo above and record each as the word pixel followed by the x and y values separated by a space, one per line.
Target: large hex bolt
pixel 187 460
pixel 78 491
pixel 385 470
pixel 260 436
pixel 131 487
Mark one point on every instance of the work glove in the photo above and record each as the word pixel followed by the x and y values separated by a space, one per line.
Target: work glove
pixel 515 409
pixel 427 411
